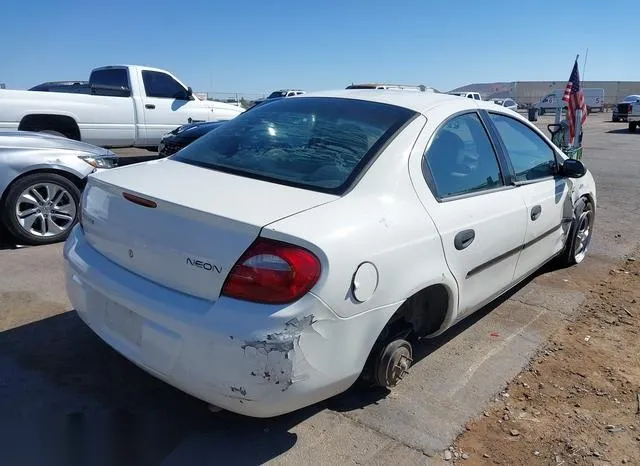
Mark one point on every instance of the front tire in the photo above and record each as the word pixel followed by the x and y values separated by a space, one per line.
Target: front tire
pixel 580 234
pixel 633 126
pixel 41 208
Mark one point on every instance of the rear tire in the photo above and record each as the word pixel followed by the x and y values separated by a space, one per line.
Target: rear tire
pixel 615 119
pixel 41 208
pixel 580 234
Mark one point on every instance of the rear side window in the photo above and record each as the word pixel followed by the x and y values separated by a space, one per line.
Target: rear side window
pixel 162 85
pixel 461 159
pixel 316 143
pixel 115 77
pixel 532 158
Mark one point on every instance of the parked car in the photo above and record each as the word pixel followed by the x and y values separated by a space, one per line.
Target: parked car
pixel 184 135
pixel 593 98
pixel 280 94
pixel 128 106
pixel 506 103
pixel 41 177
pixel 468 95
pixel 309 242
pixel 70 87
pixel 620 111
pixel 633 116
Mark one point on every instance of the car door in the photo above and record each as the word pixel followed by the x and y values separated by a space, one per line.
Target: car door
pixel 480 219
pixel 534 167
pixel 167 105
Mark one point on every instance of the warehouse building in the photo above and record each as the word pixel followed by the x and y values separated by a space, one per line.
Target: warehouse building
pixel 530 92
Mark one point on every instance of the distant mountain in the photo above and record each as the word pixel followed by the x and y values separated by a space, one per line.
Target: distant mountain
pixel 489 90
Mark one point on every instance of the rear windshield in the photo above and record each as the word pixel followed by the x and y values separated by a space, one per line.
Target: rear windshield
pixel 315 143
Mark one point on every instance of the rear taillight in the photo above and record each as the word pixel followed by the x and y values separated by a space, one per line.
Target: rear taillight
pixel 272 272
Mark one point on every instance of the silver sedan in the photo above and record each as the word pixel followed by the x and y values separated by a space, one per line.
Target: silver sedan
pixel 41 179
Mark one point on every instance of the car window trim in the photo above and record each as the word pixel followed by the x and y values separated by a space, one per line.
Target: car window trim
pixel 428 176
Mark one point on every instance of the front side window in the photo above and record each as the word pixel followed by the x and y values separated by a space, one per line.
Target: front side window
pixel 157 84
pixel 532 158
pixel 317 143
pixel 461 159
pixel 476 96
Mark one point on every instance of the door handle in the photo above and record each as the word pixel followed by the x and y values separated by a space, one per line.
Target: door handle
pixel 150 106
pixel 536 210
pixel 464 239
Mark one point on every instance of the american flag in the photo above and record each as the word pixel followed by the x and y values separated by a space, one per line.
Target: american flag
pixel 574 97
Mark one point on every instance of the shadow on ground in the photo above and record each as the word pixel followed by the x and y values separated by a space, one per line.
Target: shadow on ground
pixel 624 130
pixel 67 398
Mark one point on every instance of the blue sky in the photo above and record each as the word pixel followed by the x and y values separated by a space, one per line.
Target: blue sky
pixel 256 46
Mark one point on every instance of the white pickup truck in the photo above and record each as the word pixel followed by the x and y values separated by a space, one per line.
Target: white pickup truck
pixel 633 115
pixel 128 105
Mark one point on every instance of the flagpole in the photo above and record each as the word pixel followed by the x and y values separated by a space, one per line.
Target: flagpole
pixel 584 65
pixel 578 117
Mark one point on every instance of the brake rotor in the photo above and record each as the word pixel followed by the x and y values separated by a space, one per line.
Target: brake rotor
pixel 393 363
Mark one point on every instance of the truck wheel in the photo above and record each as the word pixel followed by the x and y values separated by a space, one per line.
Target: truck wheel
pixel 615 119
pixel 41 208
pixel 633 126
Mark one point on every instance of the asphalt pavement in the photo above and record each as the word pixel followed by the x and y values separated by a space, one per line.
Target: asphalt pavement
pixel 67 398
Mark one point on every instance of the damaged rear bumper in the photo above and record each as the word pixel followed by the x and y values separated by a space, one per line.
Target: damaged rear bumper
pixel 248 358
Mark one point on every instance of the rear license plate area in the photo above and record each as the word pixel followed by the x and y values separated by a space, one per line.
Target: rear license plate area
pixel 123 322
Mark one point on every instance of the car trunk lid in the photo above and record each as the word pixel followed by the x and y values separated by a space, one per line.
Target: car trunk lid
pixel 183 226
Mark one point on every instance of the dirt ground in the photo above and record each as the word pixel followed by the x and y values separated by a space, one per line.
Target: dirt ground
pixel 579 400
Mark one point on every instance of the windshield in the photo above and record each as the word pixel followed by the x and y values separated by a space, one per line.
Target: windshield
pixel 315 143
pixel 631 98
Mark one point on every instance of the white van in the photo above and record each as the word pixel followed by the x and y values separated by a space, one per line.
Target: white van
pixel 594 98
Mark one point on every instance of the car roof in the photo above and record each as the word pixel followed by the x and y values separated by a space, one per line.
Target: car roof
pixel 420 102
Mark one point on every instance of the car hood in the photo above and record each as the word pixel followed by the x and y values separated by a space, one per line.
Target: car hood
pixel 194 130
pixel 31 140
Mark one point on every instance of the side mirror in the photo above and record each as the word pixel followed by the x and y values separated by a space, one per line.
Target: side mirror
pixel 190 93
pixel 572 168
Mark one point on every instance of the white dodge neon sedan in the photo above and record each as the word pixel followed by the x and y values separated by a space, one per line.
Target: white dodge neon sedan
pixel 310 241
